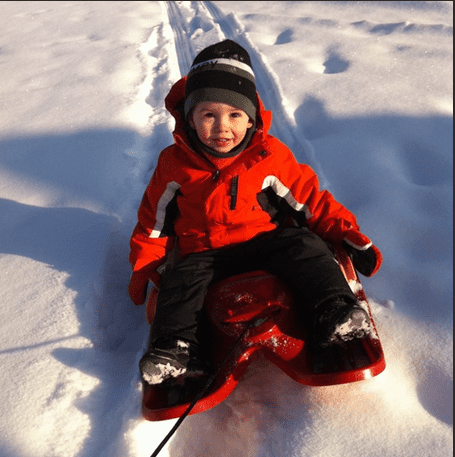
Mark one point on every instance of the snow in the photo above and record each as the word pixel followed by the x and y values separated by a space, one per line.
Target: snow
pixel 362 91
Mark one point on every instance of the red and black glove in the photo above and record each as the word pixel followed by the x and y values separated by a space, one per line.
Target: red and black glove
pixel 366 257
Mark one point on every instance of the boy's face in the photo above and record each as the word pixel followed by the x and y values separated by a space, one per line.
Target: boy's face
pixel 219 126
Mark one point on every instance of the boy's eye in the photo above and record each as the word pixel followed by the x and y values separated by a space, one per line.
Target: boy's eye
pixel 211 115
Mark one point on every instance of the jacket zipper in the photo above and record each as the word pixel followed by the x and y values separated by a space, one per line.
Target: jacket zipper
pixel 234 191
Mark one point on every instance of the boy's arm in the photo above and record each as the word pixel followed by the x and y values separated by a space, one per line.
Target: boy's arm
pixel 153 237
pixel 328 218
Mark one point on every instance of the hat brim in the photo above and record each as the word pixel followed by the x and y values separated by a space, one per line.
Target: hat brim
pixel 211 94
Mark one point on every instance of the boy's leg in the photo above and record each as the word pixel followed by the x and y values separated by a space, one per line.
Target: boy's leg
pixel 182 294
pixel 174 348
pixel 327 303
pixel 304 261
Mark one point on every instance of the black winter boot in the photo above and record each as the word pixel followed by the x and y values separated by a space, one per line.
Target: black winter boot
pixel 339 322
pixel 171 359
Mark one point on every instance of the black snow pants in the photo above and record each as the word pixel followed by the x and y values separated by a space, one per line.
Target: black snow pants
pixel 296 255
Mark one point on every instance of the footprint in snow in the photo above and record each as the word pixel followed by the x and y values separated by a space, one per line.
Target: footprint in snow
pixel 285 37
pixel 335 63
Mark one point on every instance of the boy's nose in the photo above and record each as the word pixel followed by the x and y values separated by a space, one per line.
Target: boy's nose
pixel 222 123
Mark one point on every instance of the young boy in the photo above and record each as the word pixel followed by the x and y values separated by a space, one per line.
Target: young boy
pixel 222 193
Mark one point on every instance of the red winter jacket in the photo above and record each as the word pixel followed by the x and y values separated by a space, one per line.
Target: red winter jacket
pixel 188 199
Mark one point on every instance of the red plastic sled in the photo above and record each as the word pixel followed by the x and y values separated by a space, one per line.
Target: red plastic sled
pixel 231 305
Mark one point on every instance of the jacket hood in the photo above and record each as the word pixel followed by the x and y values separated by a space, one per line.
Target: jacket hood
pixel 174 104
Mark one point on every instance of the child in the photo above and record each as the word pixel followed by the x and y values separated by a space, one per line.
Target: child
pixel 223 192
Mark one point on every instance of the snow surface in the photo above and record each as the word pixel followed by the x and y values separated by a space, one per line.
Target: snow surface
pixel 362 91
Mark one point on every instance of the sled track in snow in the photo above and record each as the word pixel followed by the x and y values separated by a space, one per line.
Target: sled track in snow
pixel 198 24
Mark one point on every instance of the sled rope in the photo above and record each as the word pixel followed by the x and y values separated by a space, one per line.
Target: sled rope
pixel 254 323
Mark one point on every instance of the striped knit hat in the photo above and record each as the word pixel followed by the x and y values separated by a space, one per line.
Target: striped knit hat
pixel 222 73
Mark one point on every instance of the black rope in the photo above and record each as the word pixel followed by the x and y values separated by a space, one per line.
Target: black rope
pixel 254 323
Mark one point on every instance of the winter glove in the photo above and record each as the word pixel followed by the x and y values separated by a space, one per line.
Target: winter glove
pixel 366 257
pixel 138 285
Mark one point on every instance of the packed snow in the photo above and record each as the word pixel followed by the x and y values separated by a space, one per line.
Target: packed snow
pixel 362 91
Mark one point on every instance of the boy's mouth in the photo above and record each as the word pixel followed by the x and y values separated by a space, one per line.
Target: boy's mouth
pixel 220 142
